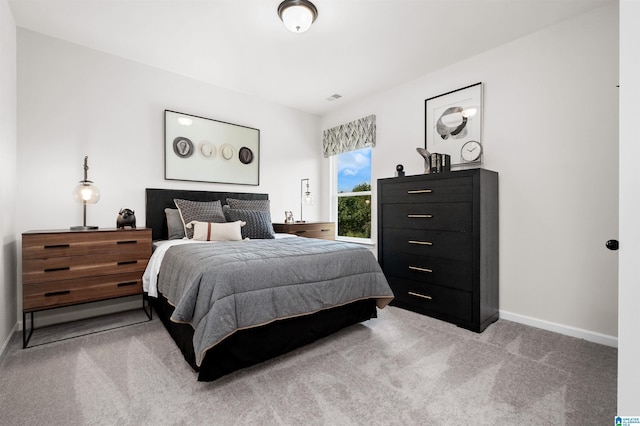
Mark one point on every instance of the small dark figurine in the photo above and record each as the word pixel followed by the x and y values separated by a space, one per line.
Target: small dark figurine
pixel 126 217
pixel 399 170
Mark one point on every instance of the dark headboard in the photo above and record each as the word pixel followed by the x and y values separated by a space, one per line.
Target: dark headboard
pixel 159 199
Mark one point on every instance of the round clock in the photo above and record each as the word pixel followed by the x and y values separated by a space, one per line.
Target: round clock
pixel 471 151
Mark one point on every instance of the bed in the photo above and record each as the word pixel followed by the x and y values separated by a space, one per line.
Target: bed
pixel 216 302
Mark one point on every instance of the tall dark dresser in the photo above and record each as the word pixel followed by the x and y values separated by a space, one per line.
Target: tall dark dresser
pixel 438 244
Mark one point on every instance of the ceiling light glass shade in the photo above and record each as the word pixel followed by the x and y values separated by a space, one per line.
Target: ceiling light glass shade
pixel 297 15
pixel 86 192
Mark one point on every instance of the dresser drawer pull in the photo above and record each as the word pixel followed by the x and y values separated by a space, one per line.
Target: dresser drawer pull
pixel 127 242
pixel 423 296
pixel 63 268
pixel 56 246
pixel 57 293
pixel 127 283
pixel 325 230
pixel 301 232
pixel 415 268
pixel 420 216
pixel 127 262
pixel 421 243
pixel 419 191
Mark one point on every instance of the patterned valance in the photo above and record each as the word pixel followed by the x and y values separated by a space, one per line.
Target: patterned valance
pixel 357 134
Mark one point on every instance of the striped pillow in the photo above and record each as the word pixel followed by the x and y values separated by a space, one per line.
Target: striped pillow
pixel 208 231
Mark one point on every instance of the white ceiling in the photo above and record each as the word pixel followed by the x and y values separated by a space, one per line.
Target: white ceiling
pixel 355 47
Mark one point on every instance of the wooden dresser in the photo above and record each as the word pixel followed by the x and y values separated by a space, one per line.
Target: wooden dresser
pixel 63 267
pixel 438 244
pixel 322 230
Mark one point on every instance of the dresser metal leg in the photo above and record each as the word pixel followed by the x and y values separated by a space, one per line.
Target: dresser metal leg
pixel 149 312
pixel 25 338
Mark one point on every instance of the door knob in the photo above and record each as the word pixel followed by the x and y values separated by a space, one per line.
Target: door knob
pixel 612 244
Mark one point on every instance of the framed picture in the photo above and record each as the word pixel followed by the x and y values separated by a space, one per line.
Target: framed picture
pixel 206 150
pixel 453 125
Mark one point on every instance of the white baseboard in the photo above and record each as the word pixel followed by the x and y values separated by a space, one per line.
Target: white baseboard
pixel 6 342
pixel 590 336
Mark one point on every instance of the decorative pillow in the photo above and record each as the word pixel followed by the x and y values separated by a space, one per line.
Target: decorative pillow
pixel 261 205
pixel 258 223
pixel 202 211
pixel 208 231
pixel 174 224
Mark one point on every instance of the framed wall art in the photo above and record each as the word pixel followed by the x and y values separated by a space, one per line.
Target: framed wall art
pixel 206 150
pixel 453 125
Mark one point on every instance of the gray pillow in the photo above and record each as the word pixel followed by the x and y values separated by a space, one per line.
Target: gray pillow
pixel 174 224
pixel 258 223
pixel 261 205
pixel 202 211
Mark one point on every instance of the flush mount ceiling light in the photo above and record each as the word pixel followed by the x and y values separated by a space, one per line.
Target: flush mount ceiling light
pixel 297 15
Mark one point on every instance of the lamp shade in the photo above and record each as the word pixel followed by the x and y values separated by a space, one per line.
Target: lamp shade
pixel 307 199
pixel 86 192
pixel 297 15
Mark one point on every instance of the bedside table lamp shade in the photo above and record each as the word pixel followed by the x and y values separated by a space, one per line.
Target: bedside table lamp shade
pixel 86 193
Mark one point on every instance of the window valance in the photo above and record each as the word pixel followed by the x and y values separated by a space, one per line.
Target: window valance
pixel 354 135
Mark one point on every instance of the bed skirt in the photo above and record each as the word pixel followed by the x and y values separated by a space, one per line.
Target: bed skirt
pixel 254 345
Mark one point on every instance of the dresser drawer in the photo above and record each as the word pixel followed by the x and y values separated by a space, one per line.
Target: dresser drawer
pixel 437 216
pixel 64 268
pixel 442 244
pixel 69 292
pixel 432 270
pixel 428 190
pixel 66 244
pixel 432 299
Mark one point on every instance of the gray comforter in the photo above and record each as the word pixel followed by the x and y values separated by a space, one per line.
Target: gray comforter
pixel 220 288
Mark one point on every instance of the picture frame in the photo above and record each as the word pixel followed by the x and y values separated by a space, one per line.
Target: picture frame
pixel 202 149
pixel 453 119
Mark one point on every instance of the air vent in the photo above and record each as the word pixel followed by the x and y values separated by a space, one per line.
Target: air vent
pixel 334 97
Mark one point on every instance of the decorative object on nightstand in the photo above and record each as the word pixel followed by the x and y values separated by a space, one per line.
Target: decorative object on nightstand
pixel 126 217
pixel 288 216
pixel 322 230
pixel 306 199
pixel 297 15
pixel 438 244
pixel 64 268
pixel 399 170
pixel 86 193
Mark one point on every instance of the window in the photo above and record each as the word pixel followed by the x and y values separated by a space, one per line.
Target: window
pixel 353 178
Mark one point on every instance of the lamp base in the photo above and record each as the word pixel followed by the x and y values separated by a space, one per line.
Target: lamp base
pixel 301 221
pixel 83 228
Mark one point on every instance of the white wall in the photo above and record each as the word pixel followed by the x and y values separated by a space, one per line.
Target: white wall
pixel 8 176
pixel 550 130
pixel 74 101
pixel 629 317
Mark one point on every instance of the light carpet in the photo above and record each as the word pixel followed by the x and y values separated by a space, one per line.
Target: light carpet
pixel 401 368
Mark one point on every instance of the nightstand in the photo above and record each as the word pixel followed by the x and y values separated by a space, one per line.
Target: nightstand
pixel 64 268
pixel 322 230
